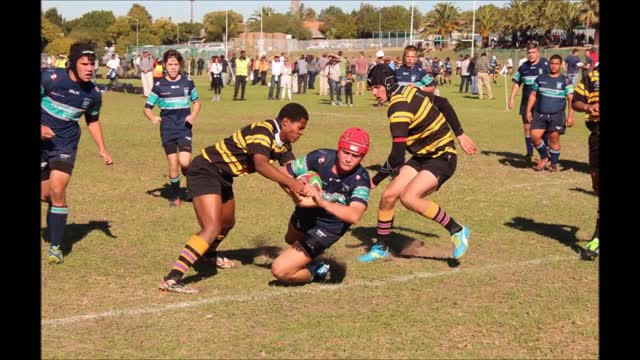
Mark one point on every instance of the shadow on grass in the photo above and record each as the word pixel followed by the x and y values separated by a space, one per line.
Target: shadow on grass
pixel 584 191
pixel 518 161
pixel 74 233
pixel 165 192
pixel 564 234
pixel 245 256
pixel 337 273
pixel 401 246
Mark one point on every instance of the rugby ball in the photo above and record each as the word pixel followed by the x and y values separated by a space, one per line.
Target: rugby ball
pixel 312 178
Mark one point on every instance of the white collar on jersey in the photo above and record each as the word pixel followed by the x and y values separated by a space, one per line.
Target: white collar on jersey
pixel 277 133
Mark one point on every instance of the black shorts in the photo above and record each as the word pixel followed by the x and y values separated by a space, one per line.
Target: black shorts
pixel 180 144
pixel 550 122
pixel 316 239
pixel 441 167
pixel 61 161
pixel 204 178
pixel 594 150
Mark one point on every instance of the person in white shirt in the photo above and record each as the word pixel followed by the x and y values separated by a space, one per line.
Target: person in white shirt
pixel 113 65
pixel 276 72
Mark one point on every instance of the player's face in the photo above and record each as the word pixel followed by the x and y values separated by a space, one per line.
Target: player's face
pixel 379 92
pixel 554 66
pixel 410 58
pixel 292 131
pixel 85 68
pixel 533 55
pixel 348 160
pixel 173 67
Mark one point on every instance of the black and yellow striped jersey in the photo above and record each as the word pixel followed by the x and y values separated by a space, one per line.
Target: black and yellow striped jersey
pixel 414 117
pixel 233 155
pixel 588 92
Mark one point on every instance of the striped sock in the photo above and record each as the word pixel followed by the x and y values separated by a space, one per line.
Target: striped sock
pixel 542 150
pixel 437 214
pixel 385 224
pixel 175 186
pixel 555 156
pixel 192 251
pixel 57 219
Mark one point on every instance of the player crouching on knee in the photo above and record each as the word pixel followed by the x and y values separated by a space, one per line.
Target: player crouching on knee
pixel 323 216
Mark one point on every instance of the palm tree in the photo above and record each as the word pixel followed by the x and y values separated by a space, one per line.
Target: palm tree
pixel 257 15
pixel 570 19
pixel 520 19
pixel 590 15
pixel 443 20
pixel 487 21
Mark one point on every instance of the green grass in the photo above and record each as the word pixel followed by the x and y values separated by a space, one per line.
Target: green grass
pixel 497 304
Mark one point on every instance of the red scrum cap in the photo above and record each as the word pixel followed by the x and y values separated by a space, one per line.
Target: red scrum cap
pixel 354 139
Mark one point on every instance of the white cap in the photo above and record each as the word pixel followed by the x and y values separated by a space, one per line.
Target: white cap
pixel 380 53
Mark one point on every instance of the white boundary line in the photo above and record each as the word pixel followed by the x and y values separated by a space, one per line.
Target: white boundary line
pixel 263 295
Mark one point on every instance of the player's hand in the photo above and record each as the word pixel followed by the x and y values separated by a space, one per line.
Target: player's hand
pixel 156 119
pixel 46 133
pixel 297 186
pixel 372 185
pixel 190 119
pixel 511 103
pixel 106 157
pixel 529 117
pixel 570 121
pixel 594 109
pixel 467 144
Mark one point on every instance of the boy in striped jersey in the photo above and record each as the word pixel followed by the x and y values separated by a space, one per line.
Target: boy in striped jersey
pixel 421 124
pixel 210 183
pixel 66 94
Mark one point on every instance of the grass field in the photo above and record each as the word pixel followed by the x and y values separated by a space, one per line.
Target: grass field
pixel 519 292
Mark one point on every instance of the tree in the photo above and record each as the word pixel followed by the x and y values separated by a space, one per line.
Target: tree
pixel 547 15
pixel 257 15
pixel 520 19
pixel 487 21
pixel 590 16
pixel 53 16
pixel 367 19
pixel 282 23
pixel 442 20
pixel 48 31
pixel 59 46
pixel 214 25
pixel 93 25
pixel 569 20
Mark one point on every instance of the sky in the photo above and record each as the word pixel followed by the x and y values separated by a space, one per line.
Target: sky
pixel 180 10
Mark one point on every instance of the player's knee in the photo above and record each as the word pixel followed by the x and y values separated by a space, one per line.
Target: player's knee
pixel 210 232
pixel 280 271
pixel 388 198
pixel 408 201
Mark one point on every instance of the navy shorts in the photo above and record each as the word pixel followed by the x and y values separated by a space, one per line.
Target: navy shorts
pixel 180 144
pixel 56 160
pixel 550 122
pixel 204 178
pixel 316 239
pixel 441 167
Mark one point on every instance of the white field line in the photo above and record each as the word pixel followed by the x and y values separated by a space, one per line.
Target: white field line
pixel 283 291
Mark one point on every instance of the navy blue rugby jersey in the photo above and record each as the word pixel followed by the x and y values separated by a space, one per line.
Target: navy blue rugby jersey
pixel 174 99
pixel 527 74
pixel 62 103
pixel 345 189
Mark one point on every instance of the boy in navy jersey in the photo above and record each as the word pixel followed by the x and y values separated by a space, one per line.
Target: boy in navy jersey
pixel 549 94
pixel 65 95
pixel 174 94
pixel 323 217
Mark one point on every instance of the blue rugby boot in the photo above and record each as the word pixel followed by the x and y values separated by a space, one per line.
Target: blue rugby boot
pixel 460 242
pixel 378 251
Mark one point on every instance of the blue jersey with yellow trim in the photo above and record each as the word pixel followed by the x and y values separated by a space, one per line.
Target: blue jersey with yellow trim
pixel 62 103
pixel 527 74
pixel 174 99
pixel 344 189
pixel 552 93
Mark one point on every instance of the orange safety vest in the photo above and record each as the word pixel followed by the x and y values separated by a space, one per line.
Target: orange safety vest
pixel 157 71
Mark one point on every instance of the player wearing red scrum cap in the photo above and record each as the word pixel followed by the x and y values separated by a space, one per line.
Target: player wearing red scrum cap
pixel 322 217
